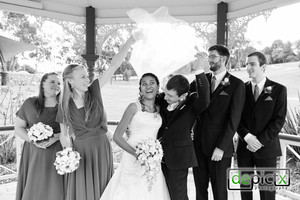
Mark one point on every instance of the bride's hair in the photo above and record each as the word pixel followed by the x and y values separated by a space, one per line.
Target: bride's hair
pixel 151 75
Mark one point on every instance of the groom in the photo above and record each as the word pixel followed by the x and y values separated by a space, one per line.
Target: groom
pixel 179 109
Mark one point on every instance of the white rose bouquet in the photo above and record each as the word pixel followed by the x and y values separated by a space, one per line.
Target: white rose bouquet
pixel 66 161
pixel 149 153
pixel 40 132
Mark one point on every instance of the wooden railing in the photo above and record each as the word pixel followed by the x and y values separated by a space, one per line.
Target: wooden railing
pixel 9 131
pixel 286 141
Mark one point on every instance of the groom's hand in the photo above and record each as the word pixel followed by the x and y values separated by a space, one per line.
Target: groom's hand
pixel 217 154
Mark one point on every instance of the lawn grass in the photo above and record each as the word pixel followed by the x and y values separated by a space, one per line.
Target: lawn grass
pixel 118 94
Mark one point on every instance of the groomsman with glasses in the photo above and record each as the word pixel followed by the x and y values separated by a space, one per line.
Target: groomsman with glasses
pixel 216 126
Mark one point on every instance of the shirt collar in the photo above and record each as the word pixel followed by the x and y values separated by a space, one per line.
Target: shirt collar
pixel 260 85
pixel 220 76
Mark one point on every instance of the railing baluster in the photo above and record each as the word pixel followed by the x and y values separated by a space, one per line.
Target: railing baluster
pixel 293 151
pixel 285 141
pixel 282 159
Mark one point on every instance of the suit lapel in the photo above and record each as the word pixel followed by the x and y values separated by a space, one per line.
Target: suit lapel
pixel 209 76
pixel 250 92
pixel 219 88
pixel 176 112
pixel 262 95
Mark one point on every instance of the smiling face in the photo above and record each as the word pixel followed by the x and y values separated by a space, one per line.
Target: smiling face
pixel 171 96
pixel 80 80
pixel 148 87
pixel 255 71
pixel 51 86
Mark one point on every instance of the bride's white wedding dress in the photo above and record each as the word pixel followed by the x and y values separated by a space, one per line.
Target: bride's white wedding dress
pixel 129 182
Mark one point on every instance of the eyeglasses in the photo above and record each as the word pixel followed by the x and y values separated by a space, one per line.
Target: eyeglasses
pixel 212 57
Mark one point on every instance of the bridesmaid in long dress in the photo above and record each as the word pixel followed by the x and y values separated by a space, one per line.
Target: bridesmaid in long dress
pixel 83 121
pixel 37 177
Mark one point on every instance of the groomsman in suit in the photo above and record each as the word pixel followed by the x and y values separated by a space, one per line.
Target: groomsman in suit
pixel 216 126
pixel 179 110
pixel 262 119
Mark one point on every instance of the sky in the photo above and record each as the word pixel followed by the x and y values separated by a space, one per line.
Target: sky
pixel 282 24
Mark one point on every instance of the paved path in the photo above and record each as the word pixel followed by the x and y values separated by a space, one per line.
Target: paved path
pixel 7 192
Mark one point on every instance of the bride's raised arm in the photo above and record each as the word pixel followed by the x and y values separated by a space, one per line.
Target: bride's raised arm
pixel 116 62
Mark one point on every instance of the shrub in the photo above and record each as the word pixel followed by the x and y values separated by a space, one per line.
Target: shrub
pixel 7 150
pixel 292 124
pixel 29 69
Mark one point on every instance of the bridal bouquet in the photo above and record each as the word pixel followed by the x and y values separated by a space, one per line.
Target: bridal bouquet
pixel 66 161
pixel 40 132
pixel 149 153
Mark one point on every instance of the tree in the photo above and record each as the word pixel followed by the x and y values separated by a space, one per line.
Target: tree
pixel 277 51
pixel 268 52
pixel 60 47
pixel 288 53
pixel 281 52
pixel 297 48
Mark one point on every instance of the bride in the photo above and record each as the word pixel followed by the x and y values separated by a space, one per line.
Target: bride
pixel 143 120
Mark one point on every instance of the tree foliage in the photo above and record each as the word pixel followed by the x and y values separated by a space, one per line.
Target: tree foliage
pixel 59 47
pixel 280 52
pixel 110 48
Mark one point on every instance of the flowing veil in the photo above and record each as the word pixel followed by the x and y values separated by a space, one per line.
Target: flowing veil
pixel 166 45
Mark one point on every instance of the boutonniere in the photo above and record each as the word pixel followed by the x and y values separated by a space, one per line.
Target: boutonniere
pixel 268 89
pixel 225 82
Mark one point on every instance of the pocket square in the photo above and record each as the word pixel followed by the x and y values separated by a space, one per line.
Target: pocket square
pixel 268 98
pixel 223 93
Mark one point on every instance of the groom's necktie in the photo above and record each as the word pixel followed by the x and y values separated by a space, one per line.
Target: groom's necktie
pixel 256 92
pixel 213 84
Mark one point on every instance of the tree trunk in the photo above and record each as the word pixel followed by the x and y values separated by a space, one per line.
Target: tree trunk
pixel 4 78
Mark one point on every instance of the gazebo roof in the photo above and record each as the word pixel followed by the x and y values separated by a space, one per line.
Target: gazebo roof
pixel 114 11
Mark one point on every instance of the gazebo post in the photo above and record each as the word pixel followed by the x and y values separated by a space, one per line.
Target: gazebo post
pixel 222 30
pixel 90 55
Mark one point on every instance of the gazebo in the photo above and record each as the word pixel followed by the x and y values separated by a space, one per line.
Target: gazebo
pixel 97 13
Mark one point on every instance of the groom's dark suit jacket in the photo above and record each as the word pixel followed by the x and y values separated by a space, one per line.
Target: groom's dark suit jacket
pixel 217 125
pixel 175 134
pixel 264 119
